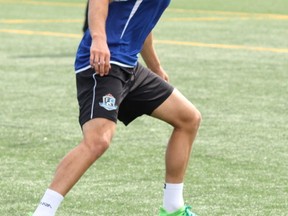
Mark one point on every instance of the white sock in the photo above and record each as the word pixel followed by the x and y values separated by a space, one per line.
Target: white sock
pixel 49 203
pixel 173 197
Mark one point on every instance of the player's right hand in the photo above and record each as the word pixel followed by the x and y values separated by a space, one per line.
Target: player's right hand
pixel 100 56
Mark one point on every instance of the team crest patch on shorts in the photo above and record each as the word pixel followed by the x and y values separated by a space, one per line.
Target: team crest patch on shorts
pixel 108 102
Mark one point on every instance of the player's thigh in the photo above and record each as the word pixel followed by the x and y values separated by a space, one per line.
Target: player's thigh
pixel 176 110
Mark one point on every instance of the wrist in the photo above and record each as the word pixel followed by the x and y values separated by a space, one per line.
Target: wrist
pixel 155 67
pixel 97 36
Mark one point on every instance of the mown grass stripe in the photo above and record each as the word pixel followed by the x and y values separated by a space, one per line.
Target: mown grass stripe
pixel 23 21
pixel 177 10
pixel 222 46
pixel 169 42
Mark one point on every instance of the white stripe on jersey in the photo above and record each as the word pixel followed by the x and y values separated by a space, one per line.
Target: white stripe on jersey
pixel 135 8
pixel 121 64
pixel 83 69
pixel 111 62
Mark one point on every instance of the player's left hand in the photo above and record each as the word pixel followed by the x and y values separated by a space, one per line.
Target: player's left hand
pixel 162 73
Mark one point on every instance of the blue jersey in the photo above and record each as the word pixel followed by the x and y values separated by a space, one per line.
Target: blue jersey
pixel 128 24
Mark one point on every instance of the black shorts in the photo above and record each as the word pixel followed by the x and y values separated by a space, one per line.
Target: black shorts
pixel 124 94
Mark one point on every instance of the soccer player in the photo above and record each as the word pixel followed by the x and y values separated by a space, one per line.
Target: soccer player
pixel 111 85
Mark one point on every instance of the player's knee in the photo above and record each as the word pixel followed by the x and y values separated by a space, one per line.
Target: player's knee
pixel 197 118
pixel 97 146
pixel 191 120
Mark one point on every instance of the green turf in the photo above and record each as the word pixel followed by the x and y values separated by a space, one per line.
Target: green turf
pixel 239 162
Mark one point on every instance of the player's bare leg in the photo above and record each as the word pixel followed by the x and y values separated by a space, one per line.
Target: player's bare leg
pixel 185 119
pixel 97 137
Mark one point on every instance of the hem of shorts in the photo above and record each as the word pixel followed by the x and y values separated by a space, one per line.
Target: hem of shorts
pixel 88 119
pixel 164 99
pixel 127 122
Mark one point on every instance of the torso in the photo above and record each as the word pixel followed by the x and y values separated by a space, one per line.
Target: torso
pixel 128 24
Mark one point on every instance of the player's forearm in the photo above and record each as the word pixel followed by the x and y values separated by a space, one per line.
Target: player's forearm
pixel 149 54
pixel 98 11
pixel 99 50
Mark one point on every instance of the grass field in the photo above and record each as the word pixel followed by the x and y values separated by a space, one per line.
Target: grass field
pixel 229 57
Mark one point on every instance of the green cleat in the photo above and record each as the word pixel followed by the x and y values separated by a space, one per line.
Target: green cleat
pixel 184 211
